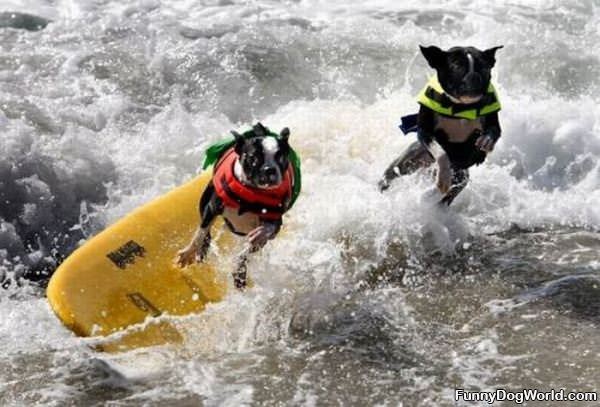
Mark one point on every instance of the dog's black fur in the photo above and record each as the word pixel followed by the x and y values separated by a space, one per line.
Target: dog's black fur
pixel 464 73
pixel 261 168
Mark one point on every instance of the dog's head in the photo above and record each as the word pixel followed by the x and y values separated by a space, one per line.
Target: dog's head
pixel 263 158
pixel 463 72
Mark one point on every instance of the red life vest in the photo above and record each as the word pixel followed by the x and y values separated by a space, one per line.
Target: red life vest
pixel 266 203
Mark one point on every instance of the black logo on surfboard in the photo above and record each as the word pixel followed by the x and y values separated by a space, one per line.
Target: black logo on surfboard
pixel 144 304
pixel 126 254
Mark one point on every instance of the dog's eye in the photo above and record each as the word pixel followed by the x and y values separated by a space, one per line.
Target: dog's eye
pixel 250 160
pixel 282 159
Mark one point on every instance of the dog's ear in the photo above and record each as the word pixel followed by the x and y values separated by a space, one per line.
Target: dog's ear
pixel 260 130
pixel 490 55
pixel 239 142
pixel 284 134
pixel 434 56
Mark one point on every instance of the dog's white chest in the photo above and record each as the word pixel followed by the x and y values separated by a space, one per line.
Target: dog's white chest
pixel 458 130
pixel 241 223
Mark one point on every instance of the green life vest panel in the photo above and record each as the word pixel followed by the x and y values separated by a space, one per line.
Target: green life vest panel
pixel 434 97
pixel 216 150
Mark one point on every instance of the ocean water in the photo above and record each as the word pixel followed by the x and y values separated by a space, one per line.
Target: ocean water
pixel 368 299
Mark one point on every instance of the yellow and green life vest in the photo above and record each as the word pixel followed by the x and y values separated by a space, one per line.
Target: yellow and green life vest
pixel 434 97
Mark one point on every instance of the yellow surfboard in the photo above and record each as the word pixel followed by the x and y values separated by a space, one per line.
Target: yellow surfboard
pixel 122 282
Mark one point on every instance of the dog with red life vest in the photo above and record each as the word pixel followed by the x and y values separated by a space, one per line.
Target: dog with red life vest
pixel 256 179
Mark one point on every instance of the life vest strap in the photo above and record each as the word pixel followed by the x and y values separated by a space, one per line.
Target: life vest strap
pixel 441 98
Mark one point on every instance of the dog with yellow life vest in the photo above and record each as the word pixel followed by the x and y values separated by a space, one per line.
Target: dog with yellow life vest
pixel 256 179
pixel 457 123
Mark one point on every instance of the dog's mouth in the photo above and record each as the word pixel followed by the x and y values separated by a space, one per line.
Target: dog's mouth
pixel 465 99
pixel 267 186
pixel 268 180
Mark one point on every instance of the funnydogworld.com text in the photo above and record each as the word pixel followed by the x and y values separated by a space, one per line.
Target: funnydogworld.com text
pixel 523 396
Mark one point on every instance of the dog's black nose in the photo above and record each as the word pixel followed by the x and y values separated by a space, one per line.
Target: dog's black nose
pixel 270 173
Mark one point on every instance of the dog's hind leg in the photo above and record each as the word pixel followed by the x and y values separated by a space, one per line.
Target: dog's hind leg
pixel 460 179
pixel 414 157
pixel 241 272
pixel 257 239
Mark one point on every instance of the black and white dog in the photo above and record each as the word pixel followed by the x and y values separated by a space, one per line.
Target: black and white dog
pixel 457 123
pixel 251 188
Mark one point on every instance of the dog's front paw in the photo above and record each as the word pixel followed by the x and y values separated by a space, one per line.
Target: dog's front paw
pixel 186 256
pixel 261 235
pixel 383 184
pixel 485 143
